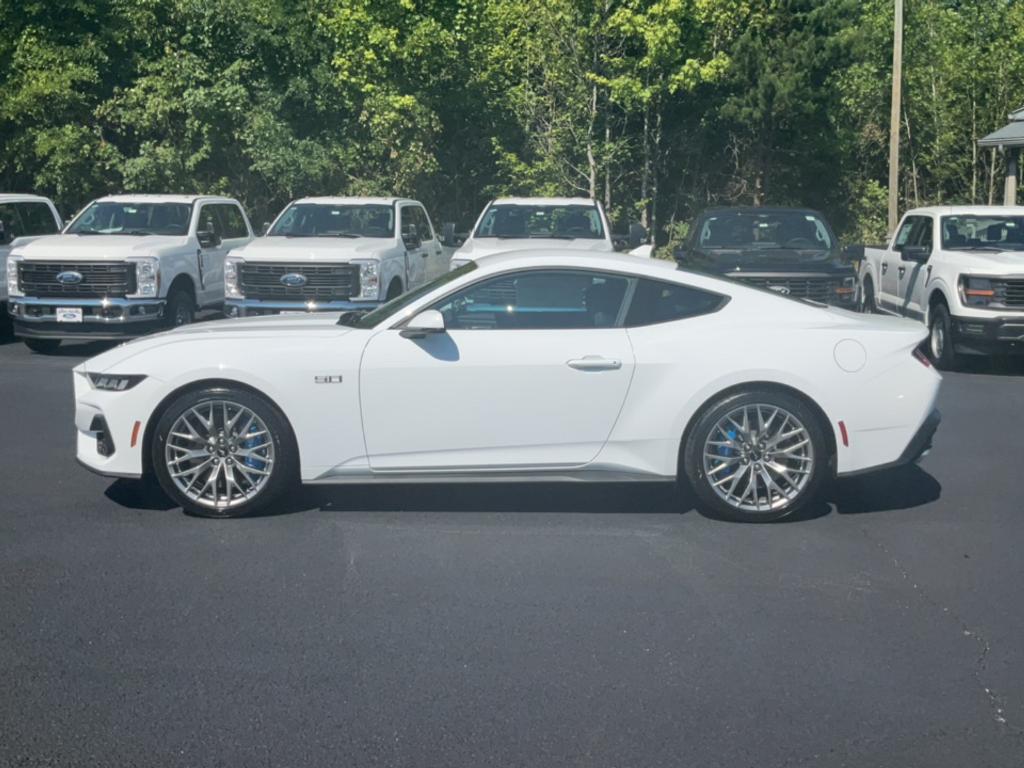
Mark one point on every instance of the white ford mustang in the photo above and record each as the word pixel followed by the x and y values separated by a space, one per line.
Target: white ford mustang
pixel 530 366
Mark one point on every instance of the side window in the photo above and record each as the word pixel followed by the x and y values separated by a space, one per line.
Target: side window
pixel 37 219
pixel 232 222
pixel 906 229
pixel 413 218
pixel 12 221
pixel 657 302
pixel 208 220
pixel 423 225
pixel 539 299
pixel 923 233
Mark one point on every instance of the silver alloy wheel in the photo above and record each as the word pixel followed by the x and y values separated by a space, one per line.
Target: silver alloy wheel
pixel 220 454
pixel 758 458
pixel 937 339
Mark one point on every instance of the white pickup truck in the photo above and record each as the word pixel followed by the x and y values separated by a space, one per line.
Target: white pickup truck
pixel 523 223
pixel 960 270
pixel 335 253
pixel 126 265
pixel 23 218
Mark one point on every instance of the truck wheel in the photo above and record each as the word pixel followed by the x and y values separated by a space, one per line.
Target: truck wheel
pixel 394 290
pixel 940 339
pixel 756 456
pixel 223 452
pixel 181 310
pixel 42 346
pixel 867 298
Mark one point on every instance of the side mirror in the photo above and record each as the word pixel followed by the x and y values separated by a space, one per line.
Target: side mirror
pixel 853 253
pixel 265 228
pixel 637 234
pixel 448 236
pixel 916 253
pixel 3 234
pixel 207 239
pixel 411 238
pixel 426 323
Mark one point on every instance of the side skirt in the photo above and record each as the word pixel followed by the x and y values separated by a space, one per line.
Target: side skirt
pixel 591 475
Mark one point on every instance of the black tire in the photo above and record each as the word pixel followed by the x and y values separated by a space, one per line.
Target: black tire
pixel 394 290
pixel 940 339
pixel 283 468
pixel 705 427
pixel 42 346
pixel 180 309
pixel 867 299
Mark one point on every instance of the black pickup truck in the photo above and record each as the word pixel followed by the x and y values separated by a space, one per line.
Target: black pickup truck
pixel 789 250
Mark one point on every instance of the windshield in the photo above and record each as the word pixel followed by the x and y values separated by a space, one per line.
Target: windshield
pixel 107 218
pixel 753 230
pixel 561 222
pixel 983 233
pixel 324 220
pixel 395 306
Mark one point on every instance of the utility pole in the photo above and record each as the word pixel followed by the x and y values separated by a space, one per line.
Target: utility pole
pixel 894 116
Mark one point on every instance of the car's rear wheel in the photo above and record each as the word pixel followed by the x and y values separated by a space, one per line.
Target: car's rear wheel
pixel 756 456
pixel 42 346
pixel 223 452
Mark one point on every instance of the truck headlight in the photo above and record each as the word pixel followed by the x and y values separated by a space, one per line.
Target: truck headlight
pixel 369 281
pixel 147 278
pixel 232 290
pixel 976 291
pixel 112 382
pixel 13 288
pixel 846 289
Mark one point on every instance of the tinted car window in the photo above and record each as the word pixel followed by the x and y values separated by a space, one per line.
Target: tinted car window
pixel 542 299
pixel 208 221
pixel 232 222
pixel 335 220
pixel 541 221
pixel 657 302
pixel 142 218
pixel 36 219
pixel 413 217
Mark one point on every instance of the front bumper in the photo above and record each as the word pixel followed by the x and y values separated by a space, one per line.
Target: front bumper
pixel 989 335
pixel 102 319
pixel 255 307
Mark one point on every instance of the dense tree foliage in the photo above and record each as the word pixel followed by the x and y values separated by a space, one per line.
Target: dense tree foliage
pixel 656 107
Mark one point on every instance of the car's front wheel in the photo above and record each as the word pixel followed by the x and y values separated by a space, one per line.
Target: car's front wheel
pixel 756 456
pixel 940 339
pixel 223 452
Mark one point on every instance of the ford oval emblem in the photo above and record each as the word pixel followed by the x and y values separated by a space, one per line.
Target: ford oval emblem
pixel 70 278
pixel 293 280
pixel 779 289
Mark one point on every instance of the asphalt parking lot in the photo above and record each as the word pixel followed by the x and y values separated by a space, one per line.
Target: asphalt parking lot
pixel 512 626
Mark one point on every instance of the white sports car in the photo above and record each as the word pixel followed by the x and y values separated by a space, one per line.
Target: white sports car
pixel 540 365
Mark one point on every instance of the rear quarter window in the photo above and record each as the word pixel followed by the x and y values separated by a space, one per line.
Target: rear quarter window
pixel 655 301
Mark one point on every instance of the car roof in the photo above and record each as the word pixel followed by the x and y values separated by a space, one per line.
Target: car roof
pixel 978 210
pixel 353 200
pixel 753 209
pixel 18 197
pixel 564 258
pixel 543 201
pixel 150 198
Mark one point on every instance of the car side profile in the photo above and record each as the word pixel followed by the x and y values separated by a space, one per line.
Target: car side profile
pixel 546 365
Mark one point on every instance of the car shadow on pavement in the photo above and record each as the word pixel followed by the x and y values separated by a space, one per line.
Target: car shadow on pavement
pixel 888 491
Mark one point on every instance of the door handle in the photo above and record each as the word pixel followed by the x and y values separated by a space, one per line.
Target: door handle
pixel 594 363
pixel 901 271
pixel 885 267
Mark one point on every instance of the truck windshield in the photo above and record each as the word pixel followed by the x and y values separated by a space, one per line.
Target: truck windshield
pixel 142 218
pixel 560 222
pixel 983 233
pixel 325 220
pixel 770 230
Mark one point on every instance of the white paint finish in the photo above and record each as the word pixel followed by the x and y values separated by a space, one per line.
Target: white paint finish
pixel 491 398
pixel 850 355
pixel 5 249
pixel 476 400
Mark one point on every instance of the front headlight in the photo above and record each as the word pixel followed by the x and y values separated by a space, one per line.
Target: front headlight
pixel 112 382
pixel 13 288
pixel 369 281
pixel 976 291
pixel 846 289
pixel 232 290
pixel 147 278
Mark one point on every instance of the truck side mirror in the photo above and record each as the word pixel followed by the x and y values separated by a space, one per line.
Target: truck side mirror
pixel 410 237
pixel 207 238
pixel 638 234
pixel 448 235
pixel 916 253
pixel 853 253
pixel 265 228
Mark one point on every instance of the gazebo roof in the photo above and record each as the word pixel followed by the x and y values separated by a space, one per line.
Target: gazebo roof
pixel 1010 135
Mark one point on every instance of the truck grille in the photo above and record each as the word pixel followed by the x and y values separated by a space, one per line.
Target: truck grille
pixel 324 282
pixel 821 289
pixel 1010 292
pixel 38 279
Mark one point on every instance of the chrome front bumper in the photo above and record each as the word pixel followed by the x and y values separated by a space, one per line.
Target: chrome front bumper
pixel 101 318
pixel 251 307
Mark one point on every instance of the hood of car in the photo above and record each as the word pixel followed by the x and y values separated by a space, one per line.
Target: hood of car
pixel 313 249
pixel 96 247
pixel 235 331
pixel 1003 262
pixel 485 246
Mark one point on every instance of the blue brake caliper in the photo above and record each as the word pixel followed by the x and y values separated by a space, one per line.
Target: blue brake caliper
pixel 253 462
pixel 727 452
